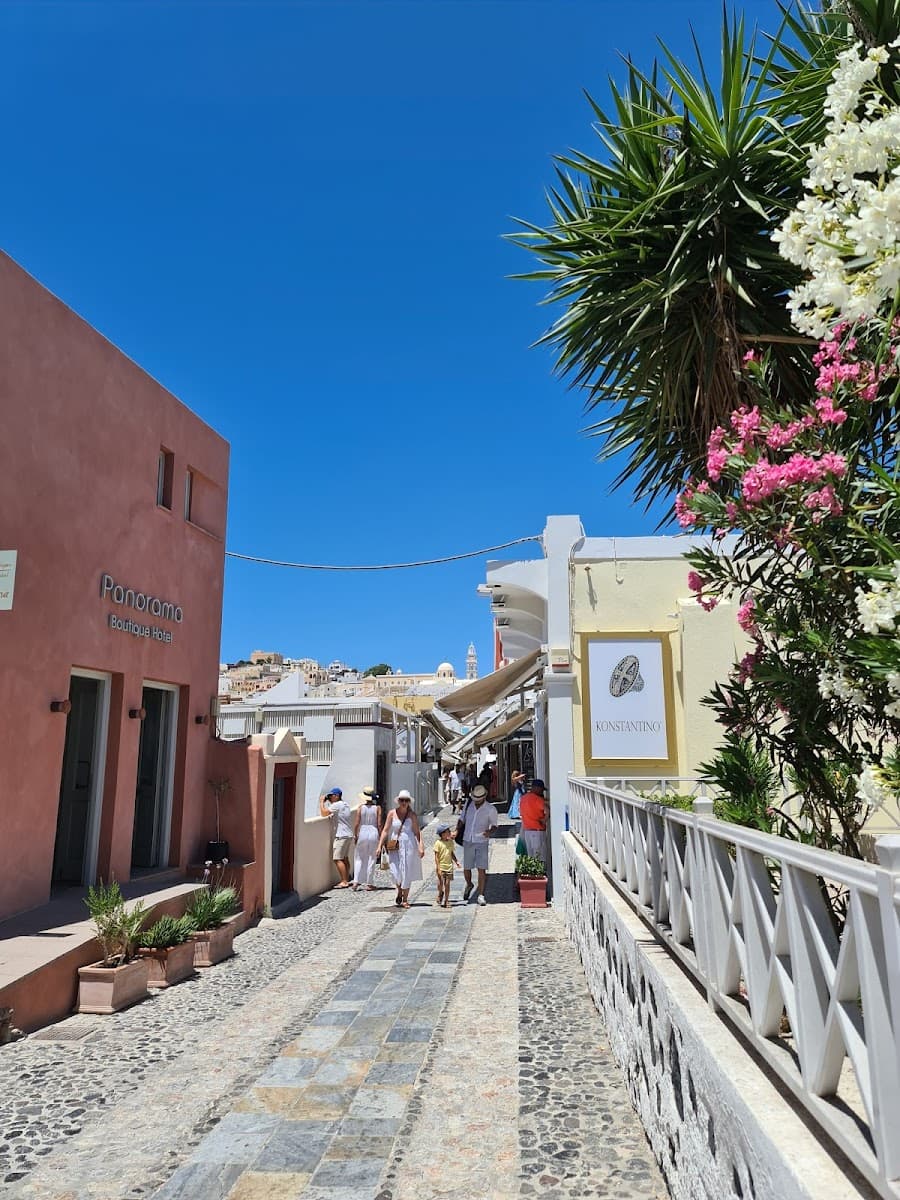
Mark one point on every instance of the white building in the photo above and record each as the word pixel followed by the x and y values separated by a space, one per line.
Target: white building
pixel 350 744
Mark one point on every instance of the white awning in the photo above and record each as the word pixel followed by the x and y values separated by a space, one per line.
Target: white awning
pixel 492 688
pixel 463 744
pixel 496 733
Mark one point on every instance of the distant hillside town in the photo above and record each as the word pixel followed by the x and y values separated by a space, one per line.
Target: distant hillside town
pixel 252 677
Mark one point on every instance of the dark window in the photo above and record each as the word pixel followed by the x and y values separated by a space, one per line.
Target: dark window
pixel 188 494
pixel 164 474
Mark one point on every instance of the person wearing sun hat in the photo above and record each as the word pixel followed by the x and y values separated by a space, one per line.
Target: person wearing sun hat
pixel 479 820
pixel 402 839
pixel 367 831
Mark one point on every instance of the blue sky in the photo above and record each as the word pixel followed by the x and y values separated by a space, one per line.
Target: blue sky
pixel 291 214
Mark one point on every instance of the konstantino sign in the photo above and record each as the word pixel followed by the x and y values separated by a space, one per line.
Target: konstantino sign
pixel 141 602
pixel 626 694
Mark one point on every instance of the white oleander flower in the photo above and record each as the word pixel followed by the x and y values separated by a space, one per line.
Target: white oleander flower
pixel 878 607
pixel 872 788
pixel 845 232
pixel 836 686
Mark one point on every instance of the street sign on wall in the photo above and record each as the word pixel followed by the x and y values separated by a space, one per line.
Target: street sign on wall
pixel 7 578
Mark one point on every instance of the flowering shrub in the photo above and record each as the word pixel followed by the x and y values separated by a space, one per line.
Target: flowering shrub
pixel 812 493
pixel 845 231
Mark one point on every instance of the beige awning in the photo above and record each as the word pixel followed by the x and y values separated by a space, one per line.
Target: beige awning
pixel 497 732
pixel 444 733
pixel 492 688
pixel 459 748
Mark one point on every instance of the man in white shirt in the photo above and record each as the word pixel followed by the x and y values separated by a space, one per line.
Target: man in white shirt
pixel 454 789
pixel 334 805
pixel 480 821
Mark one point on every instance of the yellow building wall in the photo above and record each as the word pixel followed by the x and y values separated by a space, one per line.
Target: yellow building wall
pixel 410 704
pixel 652 596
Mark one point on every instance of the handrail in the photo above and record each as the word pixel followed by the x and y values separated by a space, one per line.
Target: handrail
pixel 746 913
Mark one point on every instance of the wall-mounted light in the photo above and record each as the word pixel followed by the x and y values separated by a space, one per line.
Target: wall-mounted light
pixel 201 719
pixel 61 706
pixel 137 714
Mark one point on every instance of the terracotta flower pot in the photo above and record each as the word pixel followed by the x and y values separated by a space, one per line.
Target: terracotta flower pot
pixel 212 945
pixel 110 989
pixel 170 965
pixel 533 892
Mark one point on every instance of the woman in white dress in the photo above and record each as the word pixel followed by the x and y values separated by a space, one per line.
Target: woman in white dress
pixel 403 839
pixel 368 828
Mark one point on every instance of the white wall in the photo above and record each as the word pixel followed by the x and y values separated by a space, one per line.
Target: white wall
pixel 717 1123
pixel 420 780
pixel 352 768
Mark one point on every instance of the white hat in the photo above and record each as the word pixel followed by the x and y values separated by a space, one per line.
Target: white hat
pixel 403 794
pixel 479 791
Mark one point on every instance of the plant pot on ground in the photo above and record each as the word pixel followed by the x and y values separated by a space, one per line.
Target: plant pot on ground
pixel 168 949
pixel 119 979
pixel 209 910
pixel 532 876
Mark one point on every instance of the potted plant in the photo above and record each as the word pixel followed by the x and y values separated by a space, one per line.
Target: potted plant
pixel 169 950
pixel 119 979
pixel 212 938
pixel 532 876
pixel 217 851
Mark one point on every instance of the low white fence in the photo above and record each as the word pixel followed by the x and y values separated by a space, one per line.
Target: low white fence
pixel 746 913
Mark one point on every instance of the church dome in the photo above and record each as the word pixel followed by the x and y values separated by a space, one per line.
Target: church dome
pixel 445 671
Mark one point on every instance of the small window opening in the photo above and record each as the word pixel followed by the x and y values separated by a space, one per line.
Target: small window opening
pixel 188 494
pixel 164 475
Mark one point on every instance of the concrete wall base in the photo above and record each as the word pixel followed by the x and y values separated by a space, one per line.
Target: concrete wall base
pixel 720 1127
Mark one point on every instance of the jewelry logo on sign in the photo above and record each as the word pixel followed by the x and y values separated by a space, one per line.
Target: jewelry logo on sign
pixel 626 677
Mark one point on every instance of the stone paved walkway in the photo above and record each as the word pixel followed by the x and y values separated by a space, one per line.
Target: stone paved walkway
pixel 400 1056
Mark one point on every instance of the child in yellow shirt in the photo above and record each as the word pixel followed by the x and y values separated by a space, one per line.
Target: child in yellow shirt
pixel 444 861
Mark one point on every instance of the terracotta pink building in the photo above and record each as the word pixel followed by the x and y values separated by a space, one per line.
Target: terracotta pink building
pixel 113 496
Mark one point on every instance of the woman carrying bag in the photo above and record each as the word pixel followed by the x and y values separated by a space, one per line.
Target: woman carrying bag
pixel 402 839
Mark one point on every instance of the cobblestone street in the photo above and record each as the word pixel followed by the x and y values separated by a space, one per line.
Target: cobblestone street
pixel 349 1051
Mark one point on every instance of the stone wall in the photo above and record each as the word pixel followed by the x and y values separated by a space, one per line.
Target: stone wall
pixel 720 1127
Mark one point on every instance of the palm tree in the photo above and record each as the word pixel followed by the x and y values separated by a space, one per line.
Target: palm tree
pixel 661 252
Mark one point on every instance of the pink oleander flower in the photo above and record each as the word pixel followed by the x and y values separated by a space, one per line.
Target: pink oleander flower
pixel 695 581
pixel 823 503
pixel 828 414
pixel 707 603
pixel 747 665
pixel 745 617
pixel 750 357
pixel 685 515
pixel 732 512
pixel 746 423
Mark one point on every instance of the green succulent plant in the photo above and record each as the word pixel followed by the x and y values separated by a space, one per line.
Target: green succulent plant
pixel 211 907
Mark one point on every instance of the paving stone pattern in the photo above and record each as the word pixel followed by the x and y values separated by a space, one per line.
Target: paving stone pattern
pixel 354 1050
pixel 578 1134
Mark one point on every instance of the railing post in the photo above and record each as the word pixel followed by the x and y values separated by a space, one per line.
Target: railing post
pixel 701 897
pixel 884 1030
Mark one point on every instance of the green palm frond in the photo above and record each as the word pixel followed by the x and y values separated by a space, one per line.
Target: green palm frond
pixel 659 250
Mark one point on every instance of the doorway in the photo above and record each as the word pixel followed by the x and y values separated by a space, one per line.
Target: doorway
pixel 81 782
pixel 282 836
pixel 155 772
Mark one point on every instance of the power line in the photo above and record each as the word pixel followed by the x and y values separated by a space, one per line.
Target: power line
pixel 427 562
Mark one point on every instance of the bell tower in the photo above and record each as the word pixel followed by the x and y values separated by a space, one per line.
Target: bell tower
pixel 471 662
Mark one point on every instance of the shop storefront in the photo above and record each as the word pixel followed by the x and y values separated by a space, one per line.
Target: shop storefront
pixel 112 516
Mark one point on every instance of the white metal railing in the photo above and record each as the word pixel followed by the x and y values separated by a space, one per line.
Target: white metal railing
pixel 745 912
pixel 666 785
pixel 319 754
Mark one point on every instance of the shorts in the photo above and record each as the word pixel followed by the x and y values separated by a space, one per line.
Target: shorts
pixel 343 849
pixel 475 854
pixel 446 874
